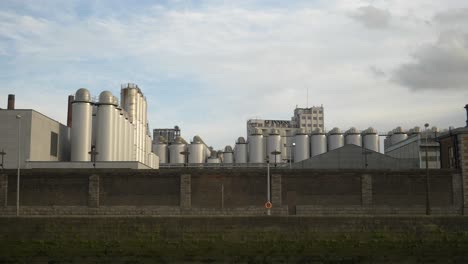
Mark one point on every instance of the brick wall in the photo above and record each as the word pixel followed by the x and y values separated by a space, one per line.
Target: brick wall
pixel 231 192
pixel 42 188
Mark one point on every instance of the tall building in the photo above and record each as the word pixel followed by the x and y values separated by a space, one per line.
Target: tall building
pixel 307 118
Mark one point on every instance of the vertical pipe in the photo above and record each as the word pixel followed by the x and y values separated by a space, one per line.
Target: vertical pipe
pixel 19 164
pixel 71 98
pixel 11 102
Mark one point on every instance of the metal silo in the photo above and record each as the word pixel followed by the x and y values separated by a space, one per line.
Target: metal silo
pixel 301 150
pixel 175 149
pixel 274 145
pixel 256 153
pixel 353 136
pixel 94 126
pixel 125 137
pixel 214 158
pixel 161 149
pixel 398 135
pixel 228 156
pixel 81 131
pixel 284 146
pixel 335 139
pixel 318 142
pixel 196 149
pixel 371 139
pixel 105 124
pixel 240 151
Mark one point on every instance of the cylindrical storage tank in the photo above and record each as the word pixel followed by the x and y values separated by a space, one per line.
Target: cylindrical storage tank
pixel 125 137
pixel 228 155
pixel 161 149
pixel 175 149
pixel 105 124
pixel 213 160
pixel 132 143
pixel 274 145
pixel 318 142
pixel 335 139
pixel 81 131
pixel 398 135
pixel 353 136
pixel 240 151
pixel 284 147
pixel 256 153
pixel 115 130
pixel 371 139
pixel 301 150
pixel 196 150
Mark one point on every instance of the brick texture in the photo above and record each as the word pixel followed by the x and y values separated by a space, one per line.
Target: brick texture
pixel 3 189
pixel 185 191
pixel 93 191
pixel 366 189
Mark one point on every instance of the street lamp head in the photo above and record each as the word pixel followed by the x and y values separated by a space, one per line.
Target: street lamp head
pixel 426 125
pixel 18 116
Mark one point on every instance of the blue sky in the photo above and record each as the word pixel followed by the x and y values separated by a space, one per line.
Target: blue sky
pixel 208 66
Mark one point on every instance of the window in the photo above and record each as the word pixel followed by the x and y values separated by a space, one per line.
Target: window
pixel 315 125
pixel 303 125
pixel 308 117
pixel 320 118
pixel 315 111
pixel 320 125
pixel 320 112
pixel 53 144
pixel 303 117
pixel 309 125
pixel 315 118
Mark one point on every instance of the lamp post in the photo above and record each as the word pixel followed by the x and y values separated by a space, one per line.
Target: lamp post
pixel 428 207
pixel 93 154
pixel 19 164
pixel 276 153
pixel 268 184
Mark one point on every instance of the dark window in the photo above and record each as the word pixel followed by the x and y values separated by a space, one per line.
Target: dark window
pixel 53 144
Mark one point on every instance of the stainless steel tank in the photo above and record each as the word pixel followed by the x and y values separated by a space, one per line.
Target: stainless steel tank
pixel 335 139
pixel 196 149
pixel 318 142
pixel 301 149
pixel 398 135
pixel 175 149
pixel 353 136
pixel 371 139
pixel 240 151
pixel 256 152
pixel 161 149
pixel 105 124
pixel 274 145
pixel 228 155
pixel 81 130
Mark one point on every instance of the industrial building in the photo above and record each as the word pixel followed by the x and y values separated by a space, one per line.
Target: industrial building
pixel 170 134
pixel 101 132
pixel 413 144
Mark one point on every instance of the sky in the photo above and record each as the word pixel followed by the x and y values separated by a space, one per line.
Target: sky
pixel 208 66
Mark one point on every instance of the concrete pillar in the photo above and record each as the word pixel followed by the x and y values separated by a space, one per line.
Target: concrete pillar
pixel 3 189
pixel 276 190
pixel 366 189
pixel 457 194
pixel 93 191
pixel 463 157
pixel 185 191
